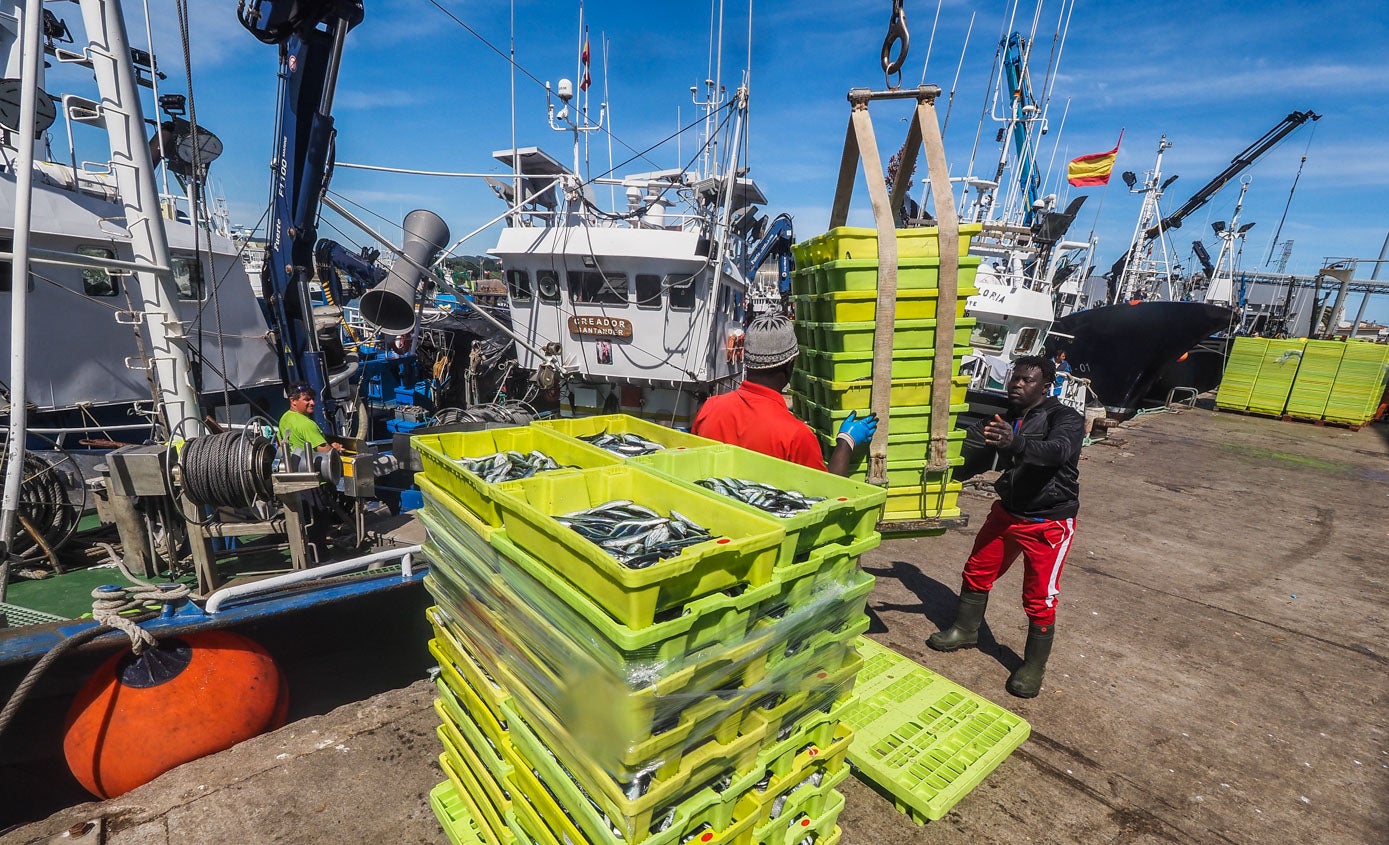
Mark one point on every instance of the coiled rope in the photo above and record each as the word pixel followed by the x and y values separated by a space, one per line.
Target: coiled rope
pixel 231 469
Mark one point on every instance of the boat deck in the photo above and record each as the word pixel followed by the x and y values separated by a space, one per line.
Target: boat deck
pixel 1219 673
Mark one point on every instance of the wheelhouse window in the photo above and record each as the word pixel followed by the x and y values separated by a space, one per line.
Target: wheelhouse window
pixel 592 287
pixel 1028 341
pixel 547 281
pixel 988 335
pixel 649 290
pixel 519 283
pixel 188 277
pixel 96 281
pixel 682 292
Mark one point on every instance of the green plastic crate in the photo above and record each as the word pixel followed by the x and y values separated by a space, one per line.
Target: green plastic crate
pixel 849 395
pixel 488 819
pixel 906 419
pixel 849 513
pixel 861 274
pixel 906 335
pixel 923 739
pixel 806 334
pixel 465 730
pixel 743 554
pixel 810 811
pixel 624 424
pixel 900 447
pixel 1277 372
pixel 923 501
pixel 458 824
pixel 493 799
pixel 852 242
pixel 439 453
pixel 862 306
pixel 1316 379
pixel 1241 371
pixel 590 796
pixel 852 366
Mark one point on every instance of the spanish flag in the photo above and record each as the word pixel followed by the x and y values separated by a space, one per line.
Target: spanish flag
pixel 583 60
pixel 1093 169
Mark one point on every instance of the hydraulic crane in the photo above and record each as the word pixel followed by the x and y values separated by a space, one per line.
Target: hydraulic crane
pixel 1251 154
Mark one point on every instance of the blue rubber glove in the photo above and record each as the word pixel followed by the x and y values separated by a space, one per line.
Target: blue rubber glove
pixel 856 431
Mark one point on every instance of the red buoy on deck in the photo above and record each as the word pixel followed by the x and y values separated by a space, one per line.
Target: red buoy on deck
pixel 138 717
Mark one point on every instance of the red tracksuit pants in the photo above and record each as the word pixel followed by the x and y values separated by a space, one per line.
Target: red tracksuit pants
pixel 1043 546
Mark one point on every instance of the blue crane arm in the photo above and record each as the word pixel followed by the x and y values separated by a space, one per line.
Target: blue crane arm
pixel 360 268
pixel 1028 179
pixel 776 241
pixel 309 34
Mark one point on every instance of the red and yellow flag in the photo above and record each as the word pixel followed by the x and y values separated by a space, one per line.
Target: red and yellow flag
pixel 1093 169
pixel 583 60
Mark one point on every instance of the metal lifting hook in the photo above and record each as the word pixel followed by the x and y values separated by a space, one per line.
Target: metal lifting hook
pixel 896 31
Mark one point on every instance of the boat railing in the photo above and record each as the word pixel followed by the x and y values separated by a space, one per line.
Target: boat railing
pixel 225 595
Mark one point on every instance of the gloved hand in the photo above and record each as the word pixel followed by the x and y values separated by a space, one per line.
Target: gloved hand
pixel 856 431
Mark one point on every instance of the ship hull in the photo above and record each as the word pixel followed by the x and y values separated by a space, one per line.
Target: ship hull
pixel 1125 349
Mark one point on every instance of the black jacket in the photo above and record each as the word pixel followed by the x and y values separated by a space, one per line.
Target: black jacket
pixel 1041 472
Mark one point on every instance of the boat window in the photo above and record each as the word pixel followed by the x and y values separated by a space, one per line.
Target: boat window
pixel 95 281
pixel 547 281
pixel 590 286
pixel 988 335
pixel 519 281
pixel 1027 341
pixel 188 277
pixel 648 290
pixel 6 268
pixel 682 291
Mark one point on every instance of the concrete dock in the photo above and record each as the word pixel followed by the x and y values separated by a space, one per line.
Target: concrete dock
pixel 1218 676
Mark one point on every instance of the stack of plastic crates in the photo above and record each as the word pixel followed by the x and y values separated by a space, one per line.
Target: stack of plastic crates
pixel 696 700
pixel 1316 376
pixel 1277 371
pixel 835 291
pixel 1359 386
pixel 1241 372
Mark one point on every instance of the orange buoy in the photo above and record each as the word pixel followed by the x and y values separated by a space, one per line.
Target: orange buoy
pixel 138 717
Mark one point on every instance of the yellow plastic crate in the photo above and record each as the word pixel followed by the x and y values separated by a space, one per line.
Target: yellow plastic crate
pixel 850 395
pixel 489 822
pixel 743 553
pixel 439 453
pixel 923 501
pixel 850 242
pixel 862 306
pixel 862 273
pixel 906 335
pixel 454 817
pixel 853 366
pixel 623 424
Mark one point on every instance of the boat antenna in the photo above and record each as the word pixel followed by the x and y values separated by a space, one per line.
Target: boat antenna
pixel 154 91
pixel 515 152
pixel 931 42
pixel 1274 241
pixel 612 189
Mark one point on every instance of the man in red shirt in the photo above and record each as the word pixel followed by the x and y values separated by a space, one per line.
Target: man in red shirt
pixel 755 415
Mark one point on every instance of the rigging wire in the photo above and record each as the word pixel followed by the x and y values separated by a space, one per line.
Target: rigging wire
pixel 1274 241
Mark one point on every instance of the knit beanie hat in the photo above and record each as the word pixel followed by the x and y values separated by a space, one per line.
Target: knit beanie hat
pixel 770 342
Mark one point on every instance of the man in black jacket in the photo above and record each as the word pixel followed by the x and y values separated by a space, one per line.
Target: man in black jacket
pixel 1038 448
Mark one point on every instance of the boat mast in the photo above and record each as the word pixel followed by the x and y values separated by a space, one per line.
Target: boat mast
pixel 1221 289
pixel 1130 282
pixel 31 68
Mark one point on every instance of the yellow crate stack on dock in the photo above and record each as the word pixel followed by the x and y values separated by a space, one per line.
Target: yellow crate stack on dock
pixel 698 699
pixel 1333 381
pixel 835 293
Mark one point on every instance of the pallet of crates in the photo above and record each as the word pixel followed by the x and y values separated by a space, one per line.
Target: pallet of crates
pixel 795 655
pixel 1315 380
pixel 1359 385
pixel 1241 372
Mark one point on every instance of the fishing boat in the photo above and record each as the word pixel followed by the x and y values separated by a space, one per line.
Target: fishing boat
pixel 209 525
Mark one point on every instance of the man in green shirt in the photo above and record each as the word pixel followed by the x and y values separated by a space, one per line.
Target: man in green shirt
pixel 297 426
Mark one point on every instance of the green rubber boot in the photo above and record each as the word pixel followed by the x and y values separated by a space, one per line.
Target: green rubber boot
pixel 968 617
pixel 1026 680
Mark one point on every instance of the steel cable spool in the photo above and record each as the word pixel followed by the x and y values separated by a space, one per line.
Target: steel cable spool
pixel 45 504
pixel 231 469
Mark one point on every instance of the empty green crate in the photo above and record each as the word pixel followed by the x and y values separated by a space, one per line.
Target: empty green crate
pixel 922 739
pixel 849 512
pixel 861 274
pixel 852 366
pixel 1316 379
pixel 439 453
pixel 1276 374
pixel 808 814
pixel 900 447
pixel 862 306
pixel 624 424
pixel 487 818
pixel 906 419
pixel 1241 371
pixel 493 796
pixel 743 553
pixel 906 335
pixel 493 758
pixel 453 815
pixel 851 242
pixel 846 395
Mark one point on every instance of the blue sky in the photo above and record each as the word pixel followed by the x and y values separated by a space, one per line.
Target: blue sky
pixel 419 91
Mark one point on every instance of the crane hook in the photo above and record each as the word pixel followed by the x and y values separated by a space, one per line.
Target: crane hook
pixel 896 32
